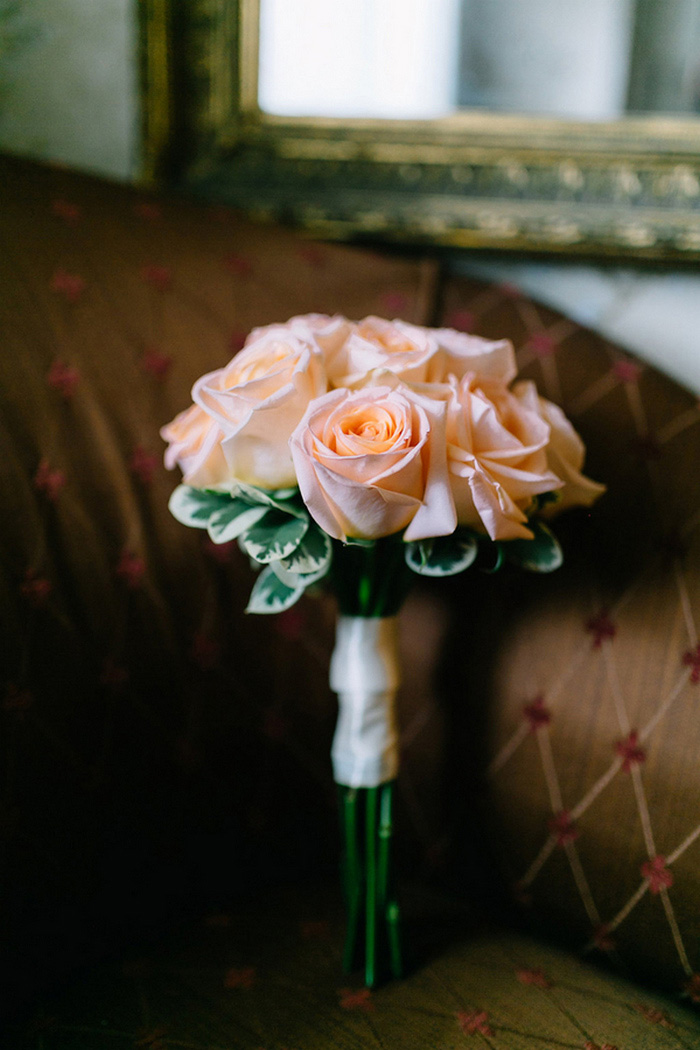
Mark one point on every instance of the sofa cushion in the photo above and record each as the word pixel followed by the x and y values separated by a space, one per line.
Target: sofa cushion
pixel 586 684
pixel 267 973
pixel 157 745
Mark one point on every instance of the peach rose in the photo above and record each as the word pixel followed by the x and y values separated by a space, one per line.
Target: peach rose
pixel 497 458
pixel 374 344
pixel 258 399
pixel 372 462
pixel 329 333
pixel 565 451
pixel 194 444
pixel 459 353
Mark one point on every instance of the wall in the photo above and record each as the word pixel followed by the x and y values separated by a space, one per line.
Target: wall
pixel 68 89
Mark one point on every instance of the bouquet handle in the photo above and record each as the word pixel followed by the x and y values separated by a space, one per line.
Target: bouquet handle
pixel 365 754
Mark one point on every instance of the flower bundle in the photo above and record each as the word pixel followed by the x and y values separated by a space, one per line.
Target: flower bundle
pixel 360 454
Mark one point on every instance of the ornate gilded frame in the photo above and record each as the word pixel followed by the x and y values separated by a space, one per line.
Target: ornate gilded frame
pixel 629 188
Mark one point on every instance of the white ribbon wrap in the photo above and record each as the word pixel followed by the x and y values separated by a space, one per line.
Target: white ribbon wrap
pixel 365 674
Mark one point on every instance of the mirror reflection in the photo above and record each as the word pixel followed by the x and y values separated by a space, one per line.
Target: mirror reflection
pixel 423 59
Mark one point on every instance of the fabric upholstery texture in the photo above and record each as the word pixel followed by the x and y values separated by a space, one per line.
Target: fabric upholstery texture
pixel 592 739
pixel 268 974
pixel 150 747
pixel 164 755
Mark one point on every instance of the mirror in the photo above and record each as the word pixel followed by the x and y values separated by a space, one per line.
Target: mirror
pixel 545 126
pixel 424 59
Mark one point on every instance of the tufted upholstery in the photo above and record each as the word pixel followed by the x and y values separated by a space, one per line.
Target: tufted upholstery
pixel 165 757
pixel 158 746
pixel 590 753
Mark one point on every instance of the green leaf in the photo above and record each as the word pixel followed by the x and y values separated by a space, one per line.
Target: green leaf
pixel 271 595
pixel 232 520
pixel 274 537
pixel 541 554
pixel 285 500
pixel 298 579
pixel 312 554
pixel 443 556
pixel 194 507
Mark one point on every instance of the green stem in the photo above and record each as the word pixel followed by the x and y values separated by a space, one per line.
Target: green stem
pixel 373 931
pixel 352 872
pixel 371 888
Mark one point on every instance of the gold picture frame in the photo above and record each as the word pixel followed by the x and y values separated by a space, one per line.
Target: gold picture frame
pixel 623 189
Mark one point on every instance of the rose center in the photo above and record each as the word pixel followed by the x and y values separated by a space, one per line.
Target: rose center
pixel 370 429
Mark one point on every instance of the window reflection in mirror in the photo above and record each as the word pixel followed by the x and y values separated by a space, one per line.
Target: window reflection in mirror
pixel 422 59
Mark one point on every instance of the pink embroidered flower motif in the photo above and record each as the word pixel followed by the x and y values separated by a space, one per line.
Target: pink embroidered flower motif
pixel 315 930
pixel 657 874
pixel 290 624
pixel 151 1039
pixel 131 568
pixel 70 285
pixel 602 939
pixel 537 715
pixel 653 1015
pixel 588 1045
pixel 237 341
pixel 692 988
pixel 156 363
pixel 563 828
pixel 159 277
pixel 143 464
pixel 66 210
pixel 522 894
pixel 205 651
pixel 473 1021
pixel 274 725
pixel 647 447
pixel 36 589
pixel 49 481
pixel 461 320
pixel 312 255
pixel 356 999
pixel 602 628
pixel 148 210
pixel 509 291
pixel 542 344
pixel 239 265
pixel 219 552
pixel 218 921
pixel 17 700
pixel 244 977
pixel 395 302
pixel 692 659
pixel 64 378
pixel 627 371
pixel 630 752
pixel 113 674
pixel 536 978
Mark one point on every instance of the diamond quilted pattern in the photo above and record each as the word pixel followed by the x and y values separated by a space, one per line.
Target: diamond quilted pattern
pixel 593 731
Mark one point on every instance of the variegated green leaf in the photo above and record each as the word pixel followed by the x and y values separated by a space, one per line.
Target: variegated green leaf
pixel 285 500
pixel 298 579
pixel 194 507
pixel 312 554
pixel 271 595
pixel 541 554
pixel 274 537
pixel 444 556
pixel 232 520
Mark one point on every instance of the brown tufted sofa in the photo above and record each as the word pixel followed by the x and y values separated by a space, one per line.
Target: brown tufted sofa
pixel 167 813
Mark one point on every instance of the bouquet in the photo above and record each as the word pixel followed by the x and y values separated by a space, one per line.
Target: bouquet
pixel 356 455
